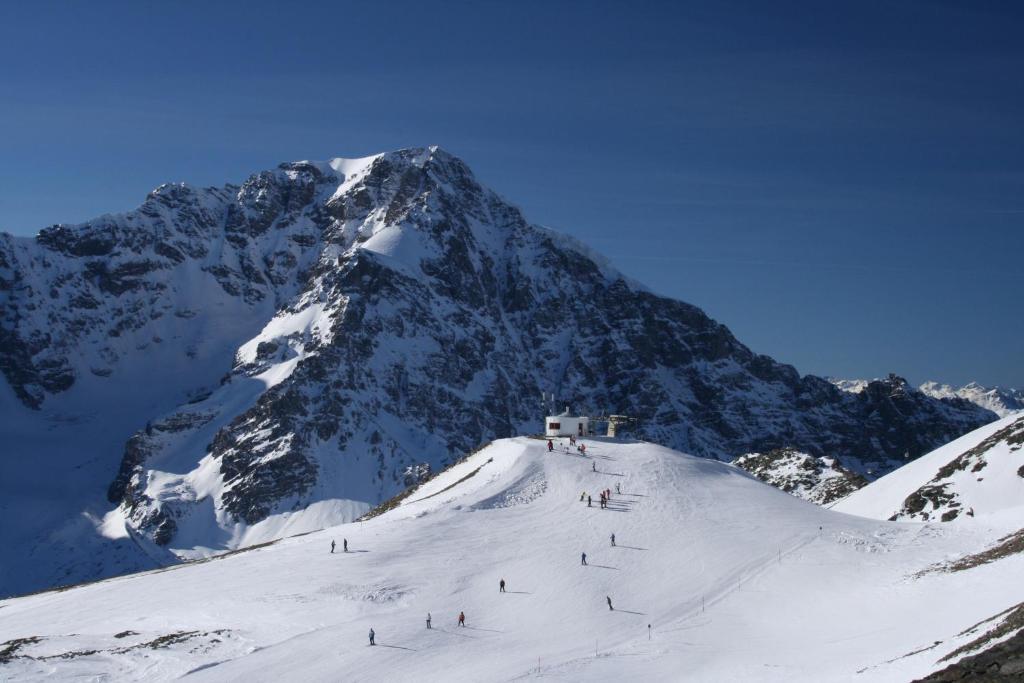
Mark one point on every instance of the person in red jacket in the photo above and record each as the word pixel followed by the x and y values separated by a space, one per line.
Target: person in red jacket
pixel 462 619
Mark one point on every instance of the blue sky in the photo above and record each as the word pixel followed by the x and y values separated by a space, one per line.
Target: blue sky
pixel 842 184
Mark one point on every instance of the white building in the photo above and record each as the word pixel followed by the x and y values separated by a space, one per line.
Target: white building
pixel 566 425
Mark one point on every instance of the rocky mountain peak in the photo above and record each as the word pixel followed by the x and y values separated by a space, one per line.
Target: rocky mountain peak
pixel 304 340
pixel 1003 401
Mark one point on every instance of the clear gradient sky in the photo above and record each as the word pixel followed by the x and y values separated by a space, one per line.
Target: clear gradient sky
pixel 842 184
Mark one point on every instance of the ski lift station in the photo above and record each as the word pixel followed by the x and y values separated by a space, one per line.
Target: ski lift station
pixel 566 425
pixel 570 425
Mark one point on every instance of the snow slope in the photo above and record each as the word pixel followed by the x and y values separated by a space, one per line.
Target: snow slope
pixel 737 580
pixel 979 474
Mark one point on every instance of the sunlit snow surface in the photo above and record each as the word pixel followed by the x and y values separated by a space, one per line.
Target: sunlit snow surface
pixel 993 488
pixel 737 580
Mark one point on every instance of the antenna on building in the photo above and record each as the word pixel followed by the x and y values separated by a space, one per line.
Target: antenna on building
pixel 547 402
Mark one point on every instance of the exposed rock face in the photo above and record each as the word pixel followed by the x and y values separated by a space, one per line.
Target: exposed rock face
pixel 1003 661
pixel 818 480
pixel 409 314
pixel 992 656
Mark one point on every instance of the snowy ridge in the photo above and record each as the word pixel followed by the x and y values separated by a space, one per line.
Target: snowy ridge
pixel 1001 401
pixel 981 474
pixel 853 386
pixel 762 586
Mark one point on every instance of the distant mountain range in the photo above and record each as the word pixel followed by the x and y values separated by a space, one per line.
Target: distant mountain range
pixel 1001 401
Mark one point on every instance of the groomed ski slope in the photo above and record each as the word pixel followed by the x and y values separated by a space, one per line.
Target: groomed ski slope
pixel 735 578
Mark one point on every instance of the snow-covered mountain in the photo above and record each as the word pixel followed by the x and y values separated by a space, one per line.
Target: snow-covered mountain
pixel 230 365
pixel 820 480
pixel 713 577
pixel 1001 401
pixel 853 386
pixel 979 474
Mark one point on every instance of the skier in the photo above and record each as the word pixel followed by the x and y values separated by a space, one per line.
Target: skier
pixel 462 619
pixel 593 467
pixel 501 586
pixel 332 547
pixel 583 558
pixel 613 540
pixel 609 602
pixel 344 546
pixel 618 489
pixel 371 637
pixel 583 496
pixel 551 446
pixel 428 619
pixel 583 448
pixel 588 502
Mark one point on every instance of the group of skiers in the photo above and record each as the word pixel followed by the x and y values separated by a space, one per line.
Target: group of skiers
pixel 581 448
pixel 462 615
pixel 605 496
pixel 344 545
pixel 461 620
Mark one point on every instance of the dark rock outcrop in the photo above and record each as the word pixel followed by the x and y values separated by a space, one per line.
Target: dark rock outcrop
pixel 820 480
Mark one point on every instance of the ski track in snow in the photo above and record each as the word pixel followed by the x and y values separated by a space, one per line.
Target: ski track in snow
pixel 736 579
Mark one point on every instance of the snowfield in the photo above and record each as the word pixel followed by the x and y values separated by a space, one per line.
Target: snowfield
pixel 736 580
pixel 981 472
